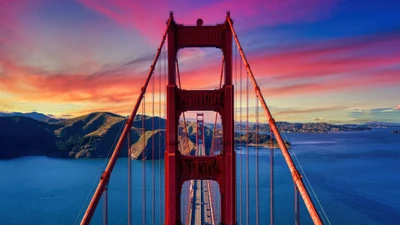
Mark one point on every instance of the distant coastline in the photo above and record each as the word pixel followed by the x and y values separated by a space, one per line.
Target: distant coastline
pixel 92 135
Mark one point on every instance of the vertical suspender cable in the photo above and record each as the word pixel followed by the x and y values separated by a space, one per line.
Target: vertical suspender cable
pixel 241 149
pixel 247 153
pixel 297 178
pixel 296 206
pixel 271 178
pixel 237 135
pixel 257 124
pixel 129 179
pixel 144 162
pixel 105 206
pixel 213 144
pixel 107 172
pixel 186 139
pixel 165 112
pixel 153 178
pixel 159 139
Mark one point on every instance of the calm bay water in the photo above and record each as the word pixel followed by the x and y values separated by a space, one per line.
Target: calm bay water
pixel 355 176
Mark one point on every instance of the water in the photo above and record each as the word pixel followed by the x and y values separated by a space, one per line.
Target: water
pixel 355 176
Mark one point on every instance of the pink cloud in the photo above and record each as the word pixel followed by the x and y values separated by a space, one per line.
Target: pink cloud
pixel 398 107
pixel 251 14
pixel 373 79
pixel 148 18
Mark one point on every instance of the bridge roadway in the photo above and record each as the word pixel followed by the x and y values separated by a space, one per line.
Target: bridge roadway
pixel 200 210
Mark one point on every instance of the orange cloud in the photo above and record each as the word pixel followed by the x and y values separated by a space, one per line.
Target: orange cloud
pixel 35 86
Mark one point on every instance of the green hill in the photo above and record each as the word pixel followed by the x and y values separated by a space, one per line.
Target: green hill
pixel 90 136
pixel 21 136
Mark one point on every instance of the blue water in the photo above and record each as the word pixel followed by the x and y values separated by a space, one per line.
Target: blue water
pixel 355 175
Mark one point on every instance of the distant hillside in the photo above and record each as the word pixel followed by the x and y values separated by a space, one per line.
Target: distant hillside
pixel 20 136
pixel 32 115
pixel 150 145
pixel 306 127
pixel 89 136
pixel 94 136
pixel 382 125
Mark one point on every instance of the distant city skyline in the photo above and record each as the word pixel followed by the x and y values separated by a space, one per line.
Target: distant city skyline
pixel 316 61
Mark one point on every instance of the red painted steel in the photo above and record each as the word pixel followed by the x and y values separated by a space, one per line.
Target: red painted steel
pixel 107 173
pixel 221 168
pixel 297 179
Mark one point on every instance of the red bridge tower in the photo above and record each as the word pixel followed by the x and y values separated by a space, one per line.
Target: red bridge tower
pixel 179 168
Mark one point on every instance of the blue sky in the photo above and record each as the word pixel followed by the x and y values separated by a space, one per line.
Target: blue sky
pixel 333 61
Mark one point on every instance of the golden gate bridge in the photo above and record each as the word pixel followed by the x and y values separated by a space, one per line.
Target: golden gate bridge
pixel 201 183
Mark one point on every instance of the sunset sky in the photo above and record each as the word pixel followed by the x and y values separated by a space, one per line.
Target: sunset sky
pixel 333 61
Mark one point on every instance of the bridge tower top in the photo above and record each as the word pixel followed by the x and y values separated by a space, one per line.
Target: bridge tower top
pixel 201 36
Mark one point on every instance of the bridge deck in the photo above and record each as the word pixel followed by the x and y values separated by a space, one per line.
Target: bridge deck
pixel 200 212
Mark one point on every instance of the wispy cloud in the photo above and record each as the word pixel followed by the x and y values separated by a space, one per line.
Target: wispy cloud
pixel 307 110
pixel 134 14
pixel 102 86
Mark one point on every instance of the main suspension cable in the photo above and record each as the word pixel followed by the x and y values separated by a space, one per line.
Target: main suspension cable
pixel 296 176
pixel 107 173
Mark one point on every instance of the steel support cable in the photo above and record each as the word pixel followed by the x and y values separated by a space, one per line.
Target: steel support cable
pixel 308 183
pixel 211 203
pixel 165 121
pixel 247 153
pixel 241 149
pixel 216 114
pixel 271 177
pixel 129 179
pixel 153 180
pixel 159 136
pixel 296 206
pixel 237 135
pixel 107 173
pixel 186 136
pixel 183 114
pixel 297 178
pixel 105 206
pixel 144 162
pixel 99 174
pixel 257 124
pixel 213 144
pixel 310 186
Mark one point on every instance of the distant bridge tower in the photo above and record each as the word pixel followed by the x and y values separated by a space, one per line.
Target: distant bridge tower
pixel 179 168
pixel 200 132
